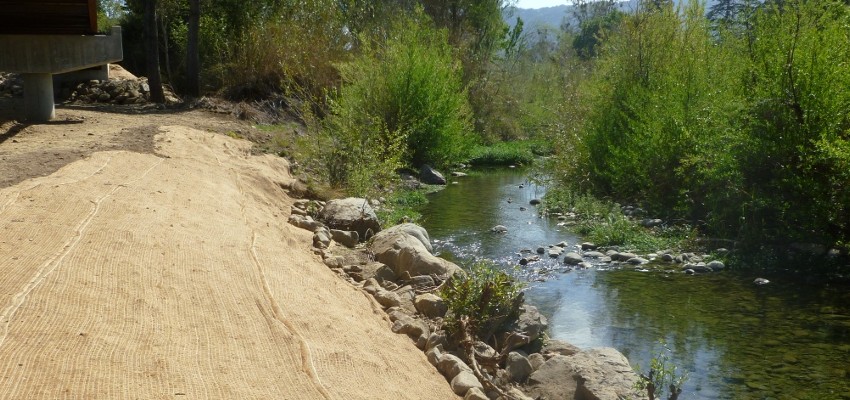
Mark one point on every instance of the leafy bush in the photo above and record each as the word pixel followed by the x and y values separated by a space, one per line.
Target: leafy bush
pixel 401 102
pixel 508 153
pixel 487 295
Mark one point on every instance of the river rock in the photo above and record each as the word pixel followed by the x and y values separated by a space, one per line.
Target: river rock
pixel 541 250
pixel 431 176
pixel 413 230
pixel 602 373
pixel 716 265
pixel 667 257
pixel 430 305
pixel 387 298
pixel 572 258
pixel 351 214
pixel 321 238
pixel 555 251
pixel 593 254
pixel 405 253
pixel 534 202
pixel 436 339
pixel 499 229
pixel 588 246
pixel 622 256
pixel 464 381
pixel 637 261
pixel 553 380
pixel 518 367
pixel 527 328
pixel 536 360
pixel 345 238
pixel 378 271
pixel 458 174
pixel 761 281
pixel 651 222
pixel 554 347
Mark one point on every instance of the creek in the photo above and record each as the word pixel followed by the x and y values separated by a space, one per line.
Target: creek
pixel 736 340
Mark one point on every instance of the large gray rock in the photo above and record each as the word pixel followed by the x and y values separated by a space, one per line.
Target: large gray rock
pixel 600 374
pixel 555 347
pixel 572 258
pixel 345 238
pixel 413 230
pixel 605 374
pixel 405 253
pixel 451 365
pixel 553 380
pixel 518 367
pixel 430 305
pixel 465 381
pixel 351 214
pixel 431 176
pixel 527 328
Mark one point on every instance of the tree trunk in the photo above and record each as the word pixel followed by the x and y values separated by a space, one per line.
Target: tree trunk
pixel 152 52
pixel 192 55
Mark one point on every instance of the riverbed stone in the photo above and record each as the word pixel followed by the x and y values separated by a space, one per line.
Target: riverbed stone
pixel 604 373
pixel 450 365
pixel 555 251
pixel 554 347
pixel 593 254
pixel 499 229
pixel 625 256
pixel 667 257
pixel 437 338
pixel 637 261
pixel 553 380
pixel 414 230
pixel 716 265
pixel 351 214
pixel 431 176
pixel 541 250
pixel 651 222
pixel 572 258
pixel 534 202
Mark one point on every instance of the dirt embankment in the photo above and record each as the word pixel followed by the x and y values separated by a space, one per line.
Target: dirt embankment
pixel 146 256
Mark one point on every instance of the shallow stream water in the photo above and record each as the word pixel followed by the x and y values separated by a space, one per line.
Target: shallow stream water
pixel 736 340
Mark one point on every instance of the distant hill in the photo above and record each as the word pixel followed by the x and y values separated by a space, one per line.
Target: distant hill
pixel 554 16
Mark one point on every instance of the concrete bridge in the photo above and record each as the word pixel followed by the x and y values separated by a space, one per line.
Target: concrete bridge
pixel 40 38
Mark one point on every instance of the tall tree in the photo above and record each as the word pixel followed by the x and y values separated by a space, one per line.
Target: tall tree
pixel 152 52
pixel 192 55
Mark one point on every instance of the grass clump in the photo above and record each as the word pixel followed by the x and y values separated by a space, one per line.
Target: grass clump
pixel 402 206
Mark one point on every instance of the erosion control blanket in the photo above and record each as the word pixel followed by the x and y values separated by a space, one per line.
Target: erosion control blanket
pixel 175 275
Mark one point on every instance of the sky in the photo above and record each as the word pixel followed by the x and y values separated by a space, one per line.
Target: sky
pixel 539 3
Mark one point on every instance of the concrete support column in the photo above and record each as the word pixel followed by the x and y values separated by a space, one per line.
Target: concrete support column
pixel 38 97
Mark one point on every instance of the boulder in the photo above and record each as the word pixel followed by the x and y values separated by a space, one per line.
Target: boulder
pixel 553 380
pixel 378 271
pixel 450 365
pixel 605 374
pixel 464 381
pixel 716 265
pixel 593 254
pixel 475 393
pixel 588 246
pixel 351 214
pixel 431 176
pixel 430 305
pixel 304 222
pixel 413 230
pixel 436 339
pixel 518 367
pixel 345 238
pixel 527 328
pixel 536 360
pixel 499 229
pixel 405 253
pixel 555 347
pixel 572 258
pixel 623 256
pixel 321 238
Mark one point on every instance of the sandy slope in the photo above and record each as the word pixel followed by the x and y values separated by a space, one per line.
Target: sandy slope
pixel 175 275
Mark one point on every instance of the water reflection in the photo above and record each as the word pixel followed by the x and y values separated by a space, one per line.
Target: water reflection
pixel 785 340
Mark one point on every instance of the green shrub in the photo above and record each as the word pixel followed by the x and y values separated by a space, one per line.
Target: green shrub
pixel 487 295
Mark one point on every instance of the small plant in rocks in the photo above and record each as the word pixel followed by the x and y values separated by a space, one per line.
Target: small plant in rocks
pixel 662 375
pixel 487 296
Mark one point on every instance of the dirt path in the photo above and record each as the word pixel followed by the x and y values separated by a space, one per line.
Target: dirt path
pixel 173 274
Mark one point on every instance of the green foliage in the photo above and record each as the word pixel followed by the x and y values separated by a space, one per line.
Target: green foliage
pixel 489 296
pixel 740 128
pixel 402 206
pixel 662 376
pixel 509 153
pixel 401 102
pixel 593 31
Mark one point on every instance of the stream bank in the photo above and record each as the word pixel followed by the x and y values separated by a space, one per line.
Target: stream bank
pixel 737 339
